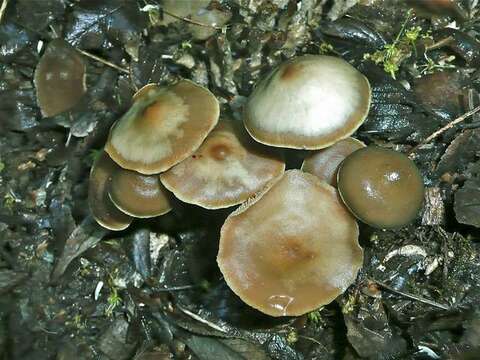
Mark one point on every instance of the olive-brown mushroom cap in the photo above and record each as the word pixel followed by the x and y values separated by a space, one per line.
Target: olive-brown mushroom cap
pixel 291 249
pixel 309 102
pixel 59 78
pixel 102 209
pixel 163 127
pixel 382 187
pixel 226 169
pixel 138 195
pixel 324 163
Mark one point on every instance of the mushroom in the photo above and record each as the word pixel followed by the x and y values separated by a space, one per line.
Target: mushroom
pixel 309 102
pixel 226 169
pixel 138 195
pixel 163 127
pixel 292 248
pixel 59 78
pixel 102 209
pixel 381 187
pixel 324 163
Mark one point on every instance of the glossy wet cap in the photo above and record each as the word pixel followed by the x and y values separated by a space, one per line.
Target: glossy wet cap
pixel 138 195
pixel 102 209
pixel 291 249
pixel 309 102
pixel 59 78
pixel 324 163
pixel 228 168
pixel 163 127
pixel 382 187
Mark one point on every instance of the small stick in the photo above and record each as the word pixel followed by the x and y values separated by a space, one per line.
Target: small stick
pixel 312 340
pixel 103 61
pixel 412 297
pixel 176 288
pixel 190 20
pixel 445 128
pixel 200 319
pixel 3 8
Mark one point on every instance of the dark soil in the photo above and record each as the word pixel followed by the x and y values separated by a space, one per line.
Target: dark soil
pixel 71 290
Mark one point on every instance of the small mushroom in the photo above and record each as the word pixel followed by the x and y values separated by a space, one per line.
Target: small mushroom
pixel 324 163
pixel 59 78
pixel 309 102
pixel 138 195
pixel 226 169
pixel 381 187
pixel 102 209
pixel 292 248
pixel 163 127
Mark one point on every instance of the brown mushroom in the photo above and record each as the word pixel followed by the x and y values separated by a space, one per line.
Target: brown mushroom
pixel 309 102
pixel 324 163
pixel 163 127
pixel 226 169
pixel 381 187
pixel 292 248
pixel 59 78
pixel 144 91
pixel 138 195
pixel 102 209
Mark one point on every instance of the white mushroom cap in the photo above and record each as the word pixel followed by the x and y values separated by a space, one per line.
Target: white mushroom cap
pixel 309 102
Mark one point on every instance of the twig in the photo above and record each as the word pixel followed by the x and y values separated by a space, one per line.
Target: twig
pixel 312 340
pixel 191 21
pixel 439 44
pixel 445 128
pixel 3 8
pixel 412 297
pixel 176 288
pixel 200 319
pixel 103 61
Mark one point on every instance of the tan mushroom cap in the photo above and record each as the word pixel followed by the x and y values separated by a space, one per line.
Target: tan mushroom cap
pixel 138 195
pixel 59 78
pixel 309 102
pixel 145 90
pixel 291 249
pixel 226 169
pixel 163 127
pixel 324 163
pixel 382 187
pixel 102 209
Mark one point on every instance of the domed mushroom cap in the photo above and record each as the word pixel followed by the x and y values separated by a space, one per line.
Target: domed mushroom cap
pixel 138 195
pixel 292 248
pixel 59 78
pixel 227 168
pixel 102 209
pixel 163 127
pixel 324 163
pixel 309 102
pixel 382 187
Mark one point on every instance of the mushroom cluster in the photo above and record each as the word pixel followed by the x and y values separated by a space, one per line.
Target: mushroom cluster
pixel 171 138
pixel 292 244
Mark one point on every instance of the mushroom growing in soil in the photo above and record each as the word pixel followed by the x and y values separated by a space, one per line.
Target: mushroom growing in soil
pixel 59 78
pixel 226 169
pixel 163 127
pixel 381 187
pixel 138 195
pixel 102 209
pixel 324 163
pixel 309 102
pixel 292 248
